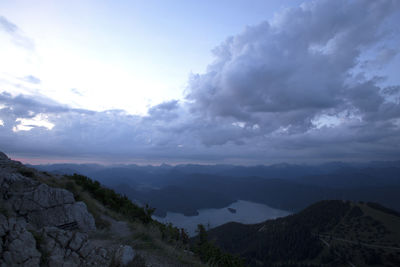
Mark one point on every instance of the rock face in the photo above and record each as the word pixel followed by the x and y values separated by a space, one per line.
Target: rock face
pixel 73 248
pixel 17 245
pixel 42 205
pixel 35 222
pixel 3 156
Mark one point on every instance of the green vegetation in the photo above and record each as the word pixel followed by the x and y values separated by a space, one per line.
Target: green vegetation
pixel 151 235
pixel 331 233
pixel 27 172
pixel 112 200
pixel 379 207
pixel 146 235
pixel 211 254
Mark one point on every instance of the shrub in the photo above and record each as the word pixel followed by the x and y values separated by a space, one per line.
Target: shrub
pixel 109 198
pixel 211 254
pixel 27 173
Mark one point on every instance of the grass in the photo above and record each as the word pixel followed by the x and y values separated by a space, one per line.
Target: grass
pixel 94 208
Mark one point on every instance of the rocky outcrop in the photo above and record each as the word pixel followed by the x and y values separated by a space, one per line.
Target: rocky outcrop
pixel 55 247
pixel 42 205
pixel 68 248
pixel 3 156
pixel 45 226
pixel 17 245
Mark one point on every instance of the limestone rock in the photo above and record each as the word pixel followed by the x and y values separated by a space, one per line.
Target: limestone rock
pixel 124 255
pixel 43 205
pixel 67 248
pixel 84 219
pixel 18 246
pixel 52 216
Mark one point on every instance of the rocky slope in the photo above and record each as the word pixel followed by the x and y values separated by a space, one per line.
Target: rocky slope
pixel 42 225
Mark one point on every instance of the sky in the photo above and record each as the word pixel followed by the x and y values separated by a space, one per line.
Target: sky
pixel 241 82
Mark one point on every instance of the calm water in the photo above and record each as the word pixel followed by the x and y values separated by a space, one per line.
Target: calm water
pixel 246 212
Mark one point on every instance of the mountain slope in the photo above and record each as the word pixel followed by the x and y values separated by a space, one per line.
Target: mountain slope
pixel 331 233
pixel 44 224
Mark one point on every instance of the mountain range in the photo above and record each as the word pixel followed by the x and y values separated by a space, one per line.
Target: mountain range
pixel 283 186
pixel 49 218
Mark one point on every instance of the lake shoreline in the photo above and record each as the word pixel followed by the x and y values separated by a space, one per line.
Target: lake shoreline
pixel 247 212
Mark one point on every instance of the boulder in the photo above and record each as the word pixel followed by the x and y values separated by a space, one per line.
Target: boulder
pixel 124 255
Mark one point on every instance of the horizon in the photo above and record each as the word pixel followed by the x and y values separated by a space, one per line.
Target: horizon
pixel 227 82
pixel 46 162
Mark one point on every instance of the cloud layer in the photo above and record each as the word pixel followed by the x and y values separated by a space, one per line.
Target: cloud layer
pixel 302 87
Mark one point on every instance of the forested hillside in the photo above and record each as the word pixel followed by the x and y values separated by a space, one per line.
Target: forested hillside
pixel 331 233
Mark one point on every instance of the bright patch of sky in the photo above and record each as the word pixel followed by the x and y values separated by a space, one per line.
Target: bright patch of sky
pixel 40 120
pixel 126 55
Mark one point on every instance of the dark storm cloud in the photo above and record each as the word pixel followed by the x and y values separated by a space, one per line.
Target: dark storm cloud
pixel 16 34
pixel 301 87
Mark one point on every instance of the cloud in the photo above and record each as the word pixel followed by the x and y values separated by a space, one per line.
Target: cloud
pixel 382 57
pixel 8 26
pixel 31 79
pixel 76 91
pixel 17 36
pixel 28 106
pixel 296 88
pixel 165 111
pixel 114 136
pixel 288 72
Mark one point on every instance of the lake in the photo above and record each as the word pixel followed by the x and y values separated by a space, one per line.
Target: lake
pixel 240 211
